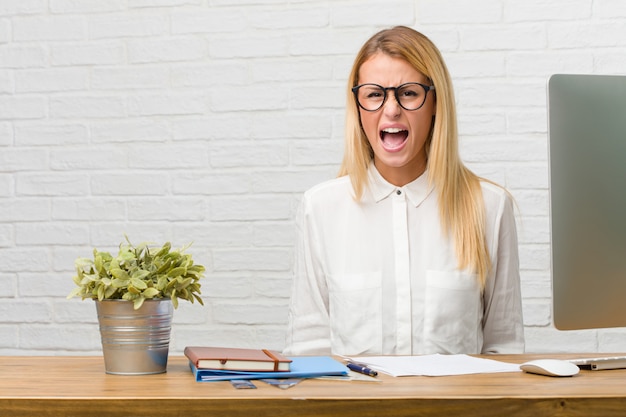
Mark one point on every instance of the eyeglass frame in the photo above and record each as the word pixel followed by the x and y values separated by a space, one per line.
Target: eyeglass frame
pixel 426 88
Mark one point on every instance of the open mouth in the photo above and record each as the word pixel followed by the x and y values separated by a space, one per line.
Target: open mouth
pixel 393 138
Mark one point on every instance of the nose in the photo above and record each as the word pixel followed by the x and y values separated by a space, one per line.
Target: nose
pixel 391 107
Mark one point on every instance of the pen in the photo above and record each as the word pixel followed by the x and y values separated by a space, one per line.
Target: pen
pixel 362 369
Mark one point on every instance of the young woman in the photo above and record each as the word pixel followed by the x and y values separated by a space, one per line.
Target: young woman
pixel 407 251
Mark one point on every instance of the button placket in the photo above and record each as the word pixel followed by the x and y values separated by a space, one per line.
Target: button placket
pixel 402 278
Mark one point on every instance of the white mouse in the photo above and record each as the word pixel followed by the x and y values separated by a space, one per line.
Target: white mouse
pixel 550 367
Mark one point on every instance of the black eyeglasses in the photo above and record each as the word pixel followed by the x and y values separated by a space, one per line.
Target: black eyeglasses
pixel 410 96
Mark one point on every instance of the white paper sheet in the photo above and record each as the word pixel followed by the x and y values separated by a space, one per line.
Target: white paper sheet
pixel 433 365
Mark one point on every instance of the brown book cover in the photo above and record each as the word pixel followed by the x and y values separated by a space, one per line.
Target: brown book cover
pixel 237 359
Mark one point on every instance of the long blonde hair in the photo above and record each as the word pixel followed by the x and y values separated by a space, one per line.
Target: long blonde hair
pixel 461 205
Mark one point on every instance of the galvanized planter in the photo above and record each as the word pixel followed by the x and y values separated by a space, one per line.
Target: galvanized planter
pixel 135 342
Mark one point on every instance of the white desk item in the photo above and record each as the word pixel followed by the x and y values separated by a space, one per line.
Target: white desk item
pixel 433 365
pixel 596 364
pixel 550 367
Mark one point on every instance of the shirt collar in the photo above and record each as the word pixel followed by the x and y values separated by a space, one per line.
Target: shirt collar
pixel 416 191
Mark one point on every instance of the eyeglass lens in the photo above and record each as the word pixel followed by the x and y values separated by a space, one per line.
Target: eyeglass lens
pixel 411 96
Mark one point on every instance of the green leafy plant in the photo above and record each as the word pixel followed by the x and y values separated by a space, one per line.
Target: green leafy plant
pixel 139 273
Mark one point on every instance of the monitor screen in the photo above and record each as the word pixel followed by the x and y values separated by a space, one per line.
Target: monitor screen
pixel 587 161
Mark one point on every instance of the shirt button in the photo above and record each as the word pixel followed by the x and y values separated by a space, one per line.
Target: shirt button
pixel 399 192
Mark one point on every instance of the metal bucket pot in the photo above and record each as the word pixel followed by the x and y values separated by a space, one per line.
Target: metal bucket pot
pixel 135 342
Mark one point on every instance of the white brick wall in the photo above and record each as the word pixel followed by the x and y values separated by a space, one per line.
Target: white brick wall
pixel 204 121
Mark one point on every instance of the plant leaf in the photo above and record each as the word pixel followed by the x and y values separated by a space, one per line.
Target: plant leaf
pixel 133 290
pixel 120 283
pixel 181 270
pixel 139 284
pixel 120 274
pixel 150 292
pixel 140 274
pixel 138 302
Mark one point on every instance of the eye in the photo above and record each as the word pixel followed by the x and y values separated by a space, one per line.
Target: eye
pixel 410 91
pixel 371 92
pixel 374 94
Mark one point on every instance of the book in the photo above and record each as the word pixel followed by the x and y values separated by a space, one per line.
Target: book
pixel 301 367
pixel 237 359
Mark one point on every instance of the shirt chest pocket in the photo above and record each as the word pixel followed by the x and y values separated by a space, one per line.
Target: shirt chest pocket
pixel 452 312
pixel 355 303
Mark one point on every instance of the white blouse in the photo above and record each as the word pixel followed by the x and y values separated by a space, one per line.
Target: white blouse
pixel 379 277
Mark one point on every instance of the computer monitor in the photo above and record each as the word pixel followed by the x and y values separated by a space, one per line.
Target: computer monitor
pixel 587 161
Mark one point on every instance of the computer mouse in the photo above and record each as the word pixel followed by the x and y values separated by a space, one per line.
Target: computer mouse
pixel 550 367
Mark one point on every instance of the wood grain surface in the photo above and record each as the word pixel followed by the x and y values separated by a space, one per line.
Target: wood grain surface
pixel 78 386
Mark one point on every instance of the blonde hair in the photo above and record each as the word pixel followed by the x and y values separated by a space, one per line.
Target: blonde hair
pixel 461 205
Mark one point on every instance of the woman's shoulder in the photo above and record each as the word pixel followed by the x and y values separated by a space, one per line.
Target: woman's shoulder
pixel 336 186
pixel 490 187
pixel 496 197
pixel 331 193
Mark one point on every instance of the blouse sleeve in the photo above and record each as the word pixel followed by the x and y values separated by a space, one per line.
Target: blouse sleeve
pixel 503 325
pixel 308 331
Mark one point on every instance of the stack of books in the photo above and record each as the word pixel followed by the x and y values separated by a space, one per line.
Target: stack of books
pixel 226 363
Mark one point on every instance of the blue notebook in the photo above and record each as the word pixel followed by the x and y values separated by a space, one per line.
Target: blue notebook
pixel 301 367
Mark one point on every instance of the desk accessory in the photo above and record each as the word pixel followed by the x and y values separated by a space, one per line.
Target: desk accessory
pixel 237 359
pixel 135 293
pixel 550 367
pixel 301 367
pixel 433 364
pixel 282 383
pixel 600 363
pixel 361 369
pixel 242 384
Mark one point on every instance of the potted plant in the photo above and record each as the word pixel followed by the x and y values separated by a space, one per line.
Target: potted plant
pixel 135 293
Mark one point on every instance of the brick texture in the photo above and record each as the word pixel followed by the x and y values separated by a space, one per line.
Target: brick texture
pixel 204 121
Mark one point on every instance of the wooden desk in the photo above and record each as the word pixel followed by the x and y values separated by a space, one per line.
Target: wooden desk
pixel 78 386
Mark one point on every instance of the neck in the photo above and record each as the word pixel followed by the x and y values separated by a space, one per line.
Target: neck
pixel 401 176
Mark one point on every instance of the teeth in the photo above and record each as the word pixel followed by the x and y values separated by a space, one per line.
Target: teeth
pixel 392 130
